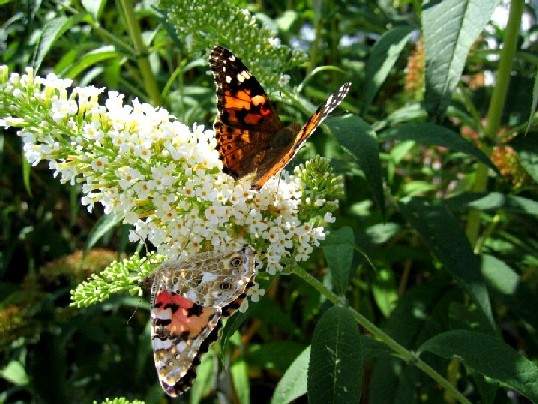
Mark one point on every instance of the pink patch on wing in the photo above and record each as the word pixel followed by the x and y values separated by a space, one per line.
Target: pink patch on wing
pixel 183 314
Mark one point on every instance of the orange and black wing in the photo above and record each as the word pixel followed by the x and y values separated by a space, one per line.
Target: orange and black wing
pixel 277 158
pixel 246 121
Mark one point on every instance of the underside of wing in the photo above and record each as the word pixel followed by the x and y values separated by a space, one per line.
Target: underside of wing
pixel 181 332
pixel 209 279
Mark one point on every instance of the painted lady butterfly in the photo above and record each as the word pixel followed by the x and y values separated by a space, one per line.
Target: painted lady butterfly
pixel 251 140
pixel 188 300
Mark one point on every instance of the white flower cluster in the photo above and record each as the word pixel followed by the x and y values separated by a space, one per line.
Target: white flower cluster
pixel 153 171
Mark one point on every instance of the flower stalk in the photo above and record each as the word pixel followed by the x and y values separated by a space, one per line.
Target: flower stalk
pixel 496 107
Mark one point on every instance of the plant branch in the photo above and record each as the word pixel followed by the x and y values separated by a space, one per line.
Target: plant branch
pixel 402 352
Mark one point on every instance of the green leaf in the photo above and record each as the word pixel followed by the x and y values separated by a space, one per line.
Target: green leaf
pixel 442 233
pixel 103 226
pixel 269 311
pixel 359 140
pixel 372 348
pixel 232 325
pixel 510 289
pixel 527 149
pixel 382 58
pixel 423 311
pixel 15 373
pixel 489 356
pixel 91 58
pixel 239 373
pixel 393 381
pixel 292 385
pixel 335 370
pixel 205 373
pixel 94 7
pixel 52 30
pixel 338 249
pixel 286 19
pixel 405 114
pixel 382 232
pixel 493 201
pixel 431 134
pixel 384 290
pixel 450 27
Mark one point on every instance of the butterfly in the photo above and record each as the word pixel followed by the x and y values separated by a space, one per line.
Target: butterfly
pixel 251 140
pixel 188 300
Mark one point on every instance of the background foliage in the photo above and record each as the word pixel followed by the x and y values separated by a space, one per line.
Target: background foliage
pixel 435 242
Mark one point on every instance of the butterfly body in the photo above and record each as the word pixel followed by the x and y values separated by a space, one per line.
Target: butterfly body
pixel 251 139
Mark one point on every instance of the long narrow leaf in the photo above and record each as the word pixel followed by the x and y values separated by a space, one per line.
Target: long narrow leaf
pixel 382 58
pixel 338 250
pixel 488 356
pixel 103 225
pixel 293 383
pixel 510 289
pixel 95 57
pixel 493 201
pixel 52 30
pixel 534 103
pixel 450 28
pixel 335 369
pixel 359 140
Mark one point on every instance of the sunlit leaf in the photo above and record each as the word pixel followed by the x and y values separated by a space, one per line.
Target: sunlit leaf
pixel 292 385
pixel 450 28
pixel 383 56
pixel 335 369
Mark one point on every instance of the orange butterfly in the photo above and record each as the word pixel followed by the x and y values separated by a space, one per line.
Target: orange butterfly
pixel 251 140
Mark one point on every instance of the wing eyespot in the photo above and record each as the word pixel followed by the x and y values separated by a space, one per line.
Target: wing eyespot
pixel 236 262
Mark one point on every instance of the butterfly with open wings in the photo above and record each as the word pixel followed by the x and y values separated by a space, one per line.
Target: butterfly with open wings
pixel 251 140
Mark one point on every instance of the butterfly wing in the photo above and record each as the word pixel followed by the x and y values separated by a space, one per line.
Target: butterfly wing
pixel 278 157
pixel 180 332
pixel 210 279
pixel 247 119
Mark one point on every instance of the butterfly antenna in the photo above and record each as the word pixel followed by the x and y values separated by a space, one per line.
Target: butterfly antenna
pixel 278 184
pixel 134 312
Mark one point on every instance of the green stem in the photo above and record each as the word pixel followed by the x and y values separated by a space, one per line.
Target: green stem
pixel 496 107
pixel 141 53
pixel 314 48
pixel 403 353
